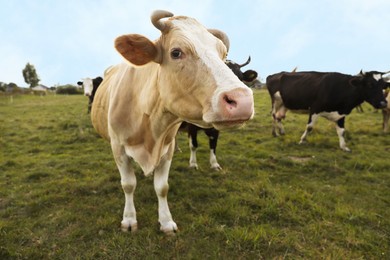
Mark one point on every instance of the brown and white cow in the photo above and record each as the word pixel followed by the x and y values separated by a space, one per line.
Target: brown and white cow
pixel 140 104
pixel 386 113
pixel 386 110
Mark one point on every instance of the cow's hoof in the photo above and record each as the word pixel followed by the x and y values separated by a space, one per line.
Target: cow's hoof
pixel 346 149
pixel 194 166
pixel 216 167
pixel 126 227
pixel 169 228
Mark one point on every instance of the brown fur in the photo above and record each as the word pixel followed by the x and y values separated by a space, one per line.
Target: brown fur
pixel 139 106
pixel 136 48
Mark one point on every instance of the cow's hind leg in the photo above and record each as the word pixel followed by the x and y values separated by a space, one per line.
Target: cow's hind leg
pixel 161 173
pixel 129 183
pixel 213 134
pixel 309 127
pixel 278 114
pixel 277 126
pixel 341 132
pixel 386 116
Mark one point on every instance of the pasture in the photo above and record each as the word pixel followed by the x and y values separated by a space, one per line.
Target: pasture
pixel 60 193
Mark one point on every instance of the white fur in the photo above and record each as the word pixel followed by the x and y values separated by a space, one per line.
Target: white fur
pixel 332 116
pixel 213 60
pixel 88 86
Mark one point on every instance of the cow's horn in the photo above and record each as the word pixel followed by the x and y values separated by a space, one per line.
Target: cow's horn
pixel 157 15
pixel 246 63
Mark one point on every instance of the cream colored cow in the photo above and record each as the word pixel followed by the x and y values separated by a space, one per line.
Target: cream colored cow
pixel 386 113
pixel 140 104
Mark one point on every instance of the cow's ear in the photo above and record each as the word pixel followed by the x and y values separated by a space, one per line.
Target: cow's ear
pixel 249 75
pixel 222 36
pixel 136 48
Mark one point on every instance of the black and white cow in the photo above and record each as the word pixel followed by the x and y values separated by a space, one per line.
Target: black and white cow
pixel 212 133
pixel 328 94
pixel 90 86
pixel 385 110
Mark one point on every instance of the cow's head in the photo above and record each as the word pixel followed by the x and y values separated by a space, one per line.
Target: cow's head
pixel 247 76
pixel 86 83
pixel 372 85
pixel 194 83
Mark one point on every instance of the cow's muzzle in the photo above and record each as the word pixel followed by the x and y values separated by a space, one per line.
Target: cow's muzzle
pixel 234 108
pixel 383 104
pixel 236 105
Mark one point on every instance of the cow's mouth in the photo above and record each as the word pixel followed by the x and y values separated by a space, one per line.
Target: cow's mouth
pixel 228 124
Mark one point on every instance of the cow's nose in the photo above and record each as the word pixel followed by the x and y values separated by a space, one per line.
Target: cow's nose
pixel 383 104
pixel 237 104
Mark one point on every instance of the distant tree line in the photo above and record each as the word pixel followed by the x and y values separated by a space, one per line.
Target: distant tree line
pixel 31 77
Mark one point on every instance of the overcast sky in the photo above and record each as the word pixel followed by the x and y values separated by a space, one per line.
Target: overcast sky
pixel 67 40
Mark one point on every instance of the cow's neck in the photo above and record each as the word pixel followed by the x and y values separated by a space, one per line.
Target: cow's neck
pixel 150 128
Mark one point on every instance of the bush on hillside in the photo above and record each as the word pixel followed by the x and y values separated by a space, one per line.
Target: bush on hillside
pixel 69 90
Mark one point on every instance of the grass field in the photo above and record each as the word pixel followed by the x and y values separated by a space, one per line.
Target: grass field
pixel 60 193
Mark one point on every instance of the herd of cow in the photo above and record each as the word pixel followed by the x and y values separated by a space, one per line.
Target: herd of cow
pixel 182 81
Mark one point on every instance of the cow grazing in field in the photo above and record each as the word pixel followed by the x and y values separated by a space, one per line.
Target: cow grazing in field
pixel 90 86
pixel 212 133
pixel 330 95
pixel 140 104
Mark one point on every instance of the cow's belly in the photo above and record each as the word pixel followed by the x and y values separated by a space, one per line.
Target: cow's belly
pixel 300 111
pixel 332 116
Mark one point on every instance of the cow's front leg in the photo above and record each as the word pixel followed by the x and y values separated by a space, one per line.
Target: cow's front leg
pixel 129 183
pixel 386 117
pixel 213 135
pixel 278 114
pixel 309 127
pixel 213 161
pixel 193 143
pixel 161 187
pixel 341 132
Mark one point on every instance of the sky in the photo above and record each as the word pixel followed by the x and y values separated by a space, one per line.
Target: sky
pixel 67 40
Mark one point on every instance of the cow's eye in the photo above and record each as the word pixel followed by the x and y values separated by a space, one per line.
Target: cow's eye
pixel 176 54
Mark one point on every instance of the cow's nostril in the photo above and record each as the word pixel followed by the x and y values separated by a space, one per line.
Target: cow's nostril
pixel 230 101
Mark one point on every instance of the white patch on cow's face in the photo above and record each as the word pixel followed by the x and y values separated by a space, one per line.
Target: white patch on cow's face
pixel 332 116
pixel 88 86
pixel 211 51
pixel 377 77
pixel 212 84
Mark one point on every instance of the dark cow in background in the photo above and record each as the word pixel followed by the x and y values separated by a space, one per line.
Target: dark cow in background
pixel 386 110
pixel 328 94
pixel 90 86
pixel 212 133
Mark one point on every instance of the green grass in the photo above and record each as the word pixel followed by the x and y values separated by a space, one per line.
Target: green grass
pixel 60 194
